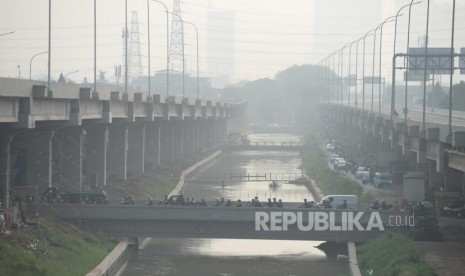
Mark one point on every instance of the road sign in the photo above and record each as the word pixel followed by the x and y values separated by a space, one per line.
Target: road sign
pixel 439 61
pixel 462 61
pixel 416 76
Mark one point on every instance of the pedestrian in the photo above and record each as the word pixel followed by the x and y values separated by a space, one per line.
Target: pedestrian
pixel 396 207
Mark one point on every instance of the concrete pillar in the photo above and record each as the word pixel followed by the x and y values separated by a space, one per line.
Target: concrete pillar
pixel 152 146
pixel 196 125
pixel 5 167
pixel 189 139
pixel 436 179
pixel 203 135
pixel 178 140
pixel 69 157
pixel 118 151
pixel 136 150
pixel 167 142
pixel 97 139
pixel 39 159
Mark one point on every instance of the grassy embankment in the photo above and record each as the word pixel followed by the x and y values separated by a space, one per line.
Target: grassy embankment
pixel 154 184
pixel 392 254
pixel 55 248
pixel 58 248
pixel 329 181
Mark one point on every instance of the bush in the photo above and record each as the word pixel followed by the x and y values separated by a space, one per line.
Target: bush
pixel 392 254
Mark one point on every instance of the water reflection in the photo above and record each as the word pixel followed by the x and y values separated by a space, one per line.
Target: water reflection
pixel 231 257
pixel 202 257
pixel 219 177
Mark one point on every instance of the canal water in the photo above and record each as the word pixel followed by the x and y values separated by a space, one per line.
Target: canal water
pixel 205 257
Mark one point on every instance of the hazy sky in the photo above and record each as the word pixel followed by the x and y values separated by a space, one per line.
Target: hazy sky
pixel 270 34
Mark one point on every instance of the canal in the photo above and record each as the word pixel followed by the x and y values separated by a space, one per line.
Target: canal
pixel 204 257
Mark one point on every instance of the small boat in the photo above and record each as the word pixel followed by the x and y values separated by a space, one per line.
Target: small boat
pixel 274 183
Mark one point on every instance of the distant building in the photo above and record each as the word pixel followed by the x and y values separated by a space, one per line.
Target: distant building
pixel 158 84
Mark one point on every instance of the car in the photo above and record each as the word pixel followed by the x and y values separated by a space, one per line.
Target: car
pixel 329 147
pixel 366 177
pixel 338 200
pixel 455 209
pixel 340 165
pixel 360 171
pixel 382 180
pixel 333 157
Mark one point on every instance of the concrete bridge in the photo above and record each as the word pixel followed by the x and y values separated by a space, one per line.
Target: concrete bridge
pixel 430 150
pixel 78 139
pixel 208 222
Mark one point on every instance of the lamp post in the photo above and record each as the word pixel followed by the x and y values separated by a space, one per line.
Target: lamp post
pixel 95 46
pixel 350 66
pixel 342 73
pixel 30 62
pixel 407 66
pixel 72 73
pixel 197 37
pixel 373 69
pixel 451 72
pixel 356 72
pixel 12 32
pixel 167 49
pixel 49 91
pixel 389 19
pixel 426 69
pixel 363 69
pixel 126 76
pixel 393 91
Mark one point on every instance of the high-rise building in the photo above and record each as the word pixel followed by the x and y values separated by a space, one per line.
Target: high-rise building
pixel 221 46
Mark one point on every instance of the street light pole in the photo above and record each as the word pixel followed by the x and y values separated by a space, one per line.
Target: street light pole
pixel 451 71
pixel 167 49
pixel 407 65
pixel 126 48
pixel 70 74
pixel 30 63
pixel 426 68
pixel 197 36
pixel 393 88
pixel 148 49
pixel 95 46
pixel 12 32
pixel 350 67
pixel 49 91
pixel 381 58
pixel 363 69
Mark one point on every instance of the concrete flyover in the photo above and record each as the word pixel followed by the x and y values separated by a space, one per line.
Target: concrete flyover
pixel 430 150
pixel 76 139
pixel 210 222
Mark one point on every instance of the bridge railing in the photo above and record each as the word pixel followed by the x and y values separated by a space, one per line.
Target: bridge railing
pixel 244 177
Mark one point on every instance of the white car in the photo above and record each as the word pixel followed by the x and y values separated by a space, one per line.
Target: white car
pixel 341 164
pixel 360 172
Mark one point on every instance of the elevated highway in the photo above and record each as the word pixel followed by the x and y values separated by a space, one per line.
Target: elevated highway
pixel 77 139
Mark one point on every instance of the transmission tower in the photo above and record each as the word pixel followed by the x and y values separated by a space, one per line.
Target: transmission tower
pixel 176 44
pixel 134 51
